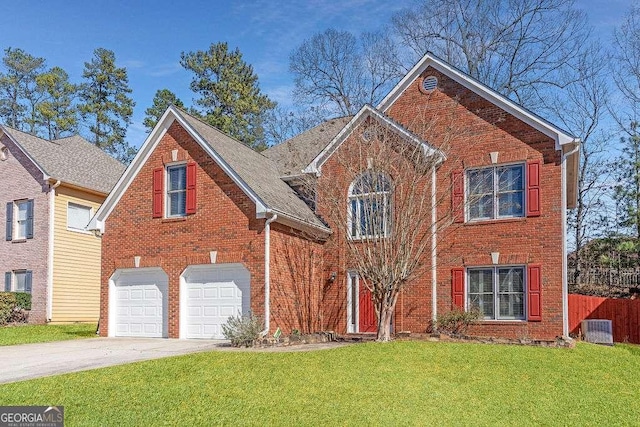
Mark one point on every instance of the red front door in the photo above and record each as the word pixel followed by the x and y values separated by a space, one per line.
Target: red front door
pixel 367 321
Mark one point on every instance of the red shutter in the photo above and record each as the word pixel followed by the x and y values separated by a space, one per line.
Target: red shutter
pixel 457 201
pixel 457 287
pixel 533 188
pixel 534 293
pixel 191 188
pixel 158 187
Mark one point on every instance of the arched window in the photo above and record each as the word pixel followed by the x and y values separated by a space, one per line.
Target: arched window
pixel 370 206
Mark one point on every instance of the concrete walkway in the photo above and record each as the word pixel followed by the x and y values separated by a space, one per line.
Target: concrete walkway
pixel 28 361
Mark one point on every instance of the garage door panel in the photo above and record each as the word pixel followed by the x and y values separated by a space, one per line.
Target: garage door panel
pixel 219 292
pixel 141 303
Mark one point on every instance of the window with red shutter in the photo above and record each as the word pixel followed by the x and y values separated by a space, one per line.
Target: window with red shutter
pixel 534 293
pixel 158 188
pixel 457 288
pixel 533 188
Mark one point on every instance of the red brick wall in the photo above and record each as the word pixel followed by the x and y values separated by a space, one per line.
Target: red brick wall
pixel 297 281
pixel 224 222
pixel 468 128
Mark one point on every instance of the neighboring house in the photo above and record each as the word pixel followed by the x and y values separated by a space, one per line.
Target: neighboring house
pixel 200 227
pixel 50 190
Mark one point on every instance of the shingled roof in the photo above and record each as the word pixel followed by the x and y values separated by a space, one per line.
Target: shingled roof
pixel 258 172
pixel 293 155
pixel 71 160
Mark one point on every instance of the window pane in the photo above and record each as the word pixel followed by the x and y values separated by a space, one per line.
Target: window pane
pixel 481 207
pixel 20 281
pixel 510 178
pixel 480 280
pixel 510 204
pixel 78 216
pixel 22 211
pixel 511 306
pixel 354 218
pixel 480 181
pixel 482 303
pixel 511 280
pixel 177 178
pixel 177 203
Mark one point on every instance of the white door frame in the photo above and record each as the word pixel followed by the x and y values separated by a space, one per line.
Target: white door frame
pixel 353 307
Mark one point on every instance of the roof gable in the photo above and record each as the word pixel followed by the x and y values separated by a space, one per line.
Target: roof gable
pixel 253 173
pixel 71 160
pixel 430 60
pixel 365 112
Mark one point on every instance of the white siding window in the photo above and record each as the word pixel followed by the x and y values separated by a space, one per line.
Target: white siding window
pixel 176 190
pixel 78 217
pixel 497 292
pixel 21 220
pixel 496 192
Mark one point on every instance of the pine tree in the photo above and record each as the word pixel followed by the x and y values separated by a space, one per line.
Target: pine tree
pixel 56 112
pixel 105 105
pixel 229 94
pixel 627 193
pixel 161 101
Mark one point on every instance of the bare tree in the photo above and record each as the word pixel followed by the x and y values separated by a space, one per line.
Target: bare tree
pixel 377 193
pixel 516 47
pixel 581 109
pixel 339 73
pixel 626 69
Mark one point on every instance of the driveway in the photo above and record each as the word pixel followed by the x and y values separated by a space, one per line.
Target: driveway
pixel 23 362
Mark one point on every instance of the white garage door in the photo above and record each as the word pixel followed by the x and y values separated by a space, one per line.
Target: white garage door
pixel 141 303
pixel 212 294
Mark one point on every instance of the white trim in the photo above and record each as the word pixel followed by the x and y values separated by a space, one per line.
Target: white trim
pixel 429 60
pixel 366 111
pixel 353 327
pixel 79 230
pixel 434 253
pixel 170 115
pixel 563 219
pixel 52 206
pixel 267 274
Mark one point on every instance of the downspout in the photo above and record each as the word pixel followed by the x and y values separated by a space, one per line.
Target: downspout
pixel 52 201
pixel 267 273
pixel 434 230
pixel 565 285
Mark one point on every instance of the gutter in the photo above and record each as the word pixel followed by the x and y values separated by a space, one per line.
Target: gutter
pixel 52 200
pixel 267 273
pixel 434 287
pixel 565 284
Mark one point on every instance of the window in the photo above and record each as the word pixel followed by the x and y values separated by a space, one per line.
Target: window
pixel 497 292
pixel 370 206
pixel 78 216
pixel 176 190
pixel 18 281
pixel 496 192
pixel 19 220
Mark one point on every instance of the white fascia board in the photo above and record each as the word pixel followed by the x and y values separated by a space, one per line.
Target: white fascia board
pixel 366 111
pixel 171 114
pixel 299 224
pixel 558 135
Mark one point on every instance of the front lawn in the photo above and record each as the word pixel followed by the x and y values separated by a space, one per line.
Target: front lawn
pixel 26 334
pixel 401 383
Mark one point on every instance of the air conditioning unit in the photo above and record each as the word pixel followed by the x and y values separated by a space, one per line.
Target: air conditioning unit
pixel 598 331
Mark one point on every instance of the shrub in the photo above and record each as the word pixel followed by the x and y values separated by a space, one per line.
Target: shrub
pixel 242 330
pixel 13 307
pixel 456 321
pixel 23 299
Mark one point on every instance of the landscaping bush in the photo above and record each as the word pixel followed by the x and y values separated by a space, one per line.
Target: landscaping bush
pixel 456 322
pixel 23 299
pixel 13 307
pixel 242 330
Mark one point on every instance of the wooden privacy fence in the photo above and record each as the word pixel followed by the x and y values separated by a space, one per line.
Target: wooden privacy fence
pixel 623 313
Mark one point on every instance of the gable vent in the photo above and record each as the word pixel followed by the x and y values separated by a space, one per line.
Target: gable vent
pixel 597 331
pixel 429 83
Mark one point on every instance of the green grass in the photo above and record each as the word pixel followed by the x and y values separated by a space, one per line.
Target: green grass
pixel 26 334
pixel 401 383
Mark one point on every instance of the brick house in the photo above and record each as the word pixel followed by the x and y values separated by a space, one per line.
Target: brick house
pixel 50 191
pixel 200 227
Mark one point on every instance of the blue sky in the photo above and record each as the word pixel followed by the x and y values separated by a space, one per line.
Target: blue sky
pixel 148 36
